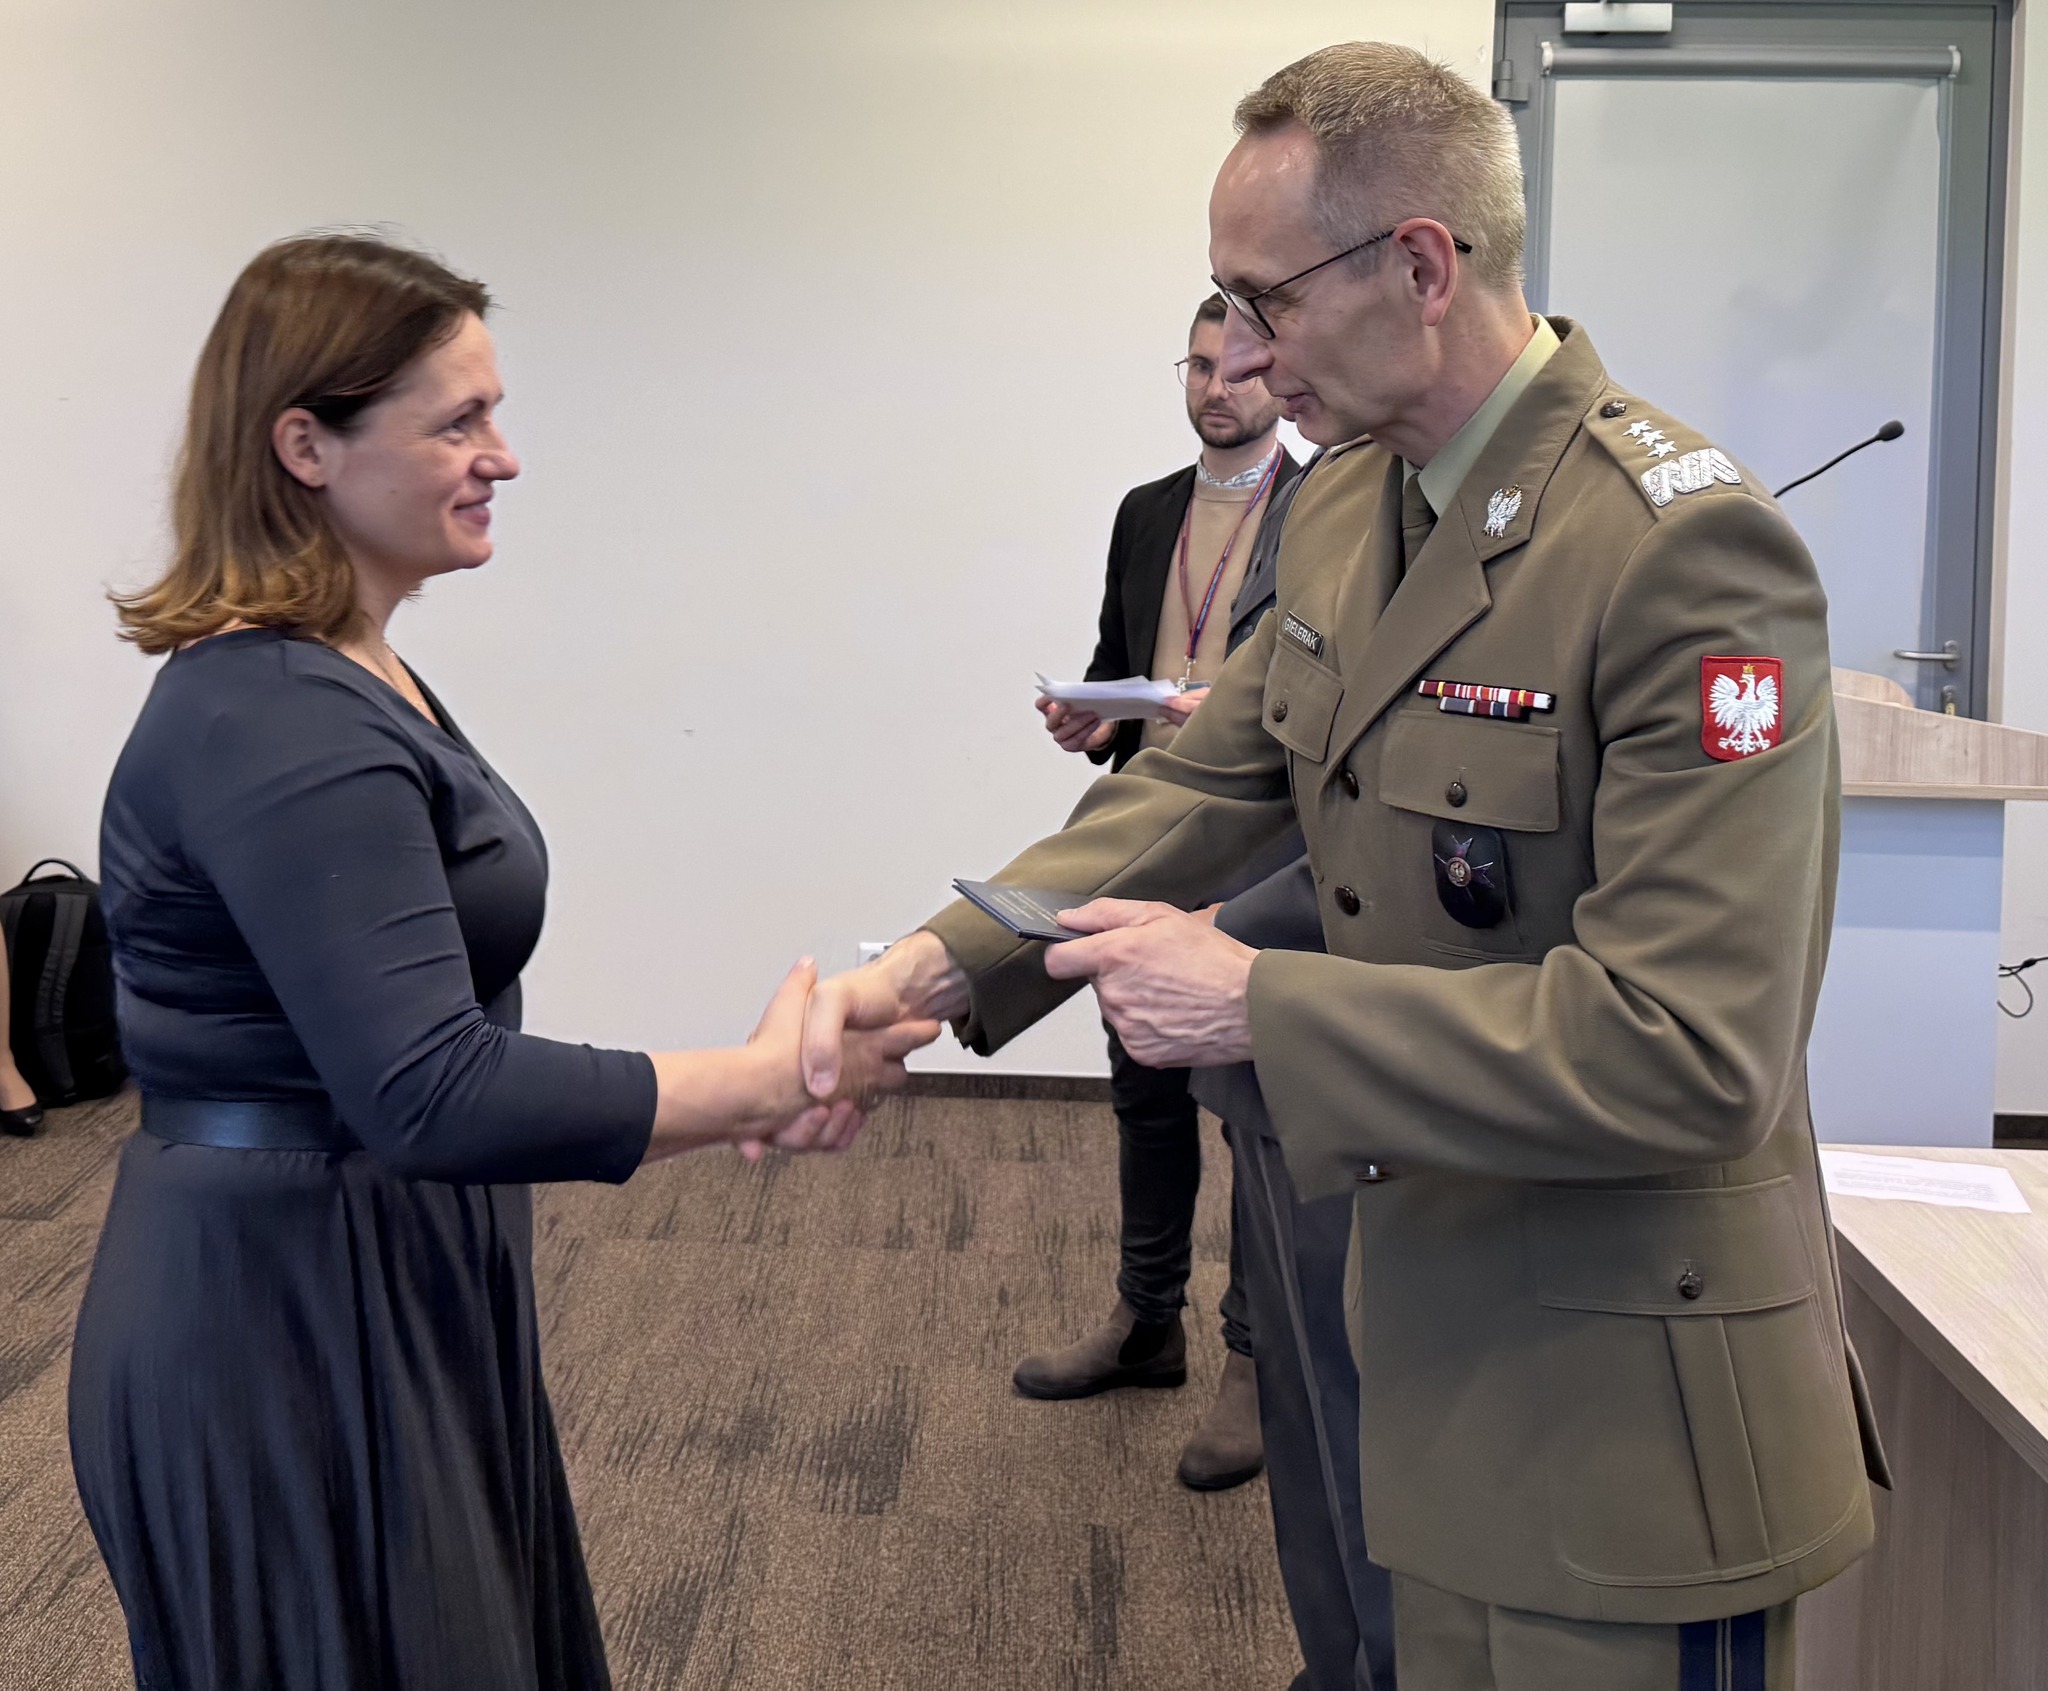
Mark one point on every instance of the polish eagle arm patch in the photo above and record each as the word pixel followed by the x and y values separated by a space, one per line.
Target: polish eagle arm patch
pixel 1741 706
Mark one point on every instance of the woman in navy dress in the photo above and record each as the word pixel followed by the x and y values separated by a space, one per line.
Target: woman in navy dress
pixel 307 1417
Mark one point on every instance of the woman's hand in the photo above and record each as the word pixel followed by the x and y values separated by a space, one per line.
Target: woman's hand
pixel 755 1098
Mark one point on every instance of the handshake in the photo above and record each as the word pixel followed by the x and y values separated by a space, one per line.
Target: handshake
pixel 1174 988
pixel 831 1049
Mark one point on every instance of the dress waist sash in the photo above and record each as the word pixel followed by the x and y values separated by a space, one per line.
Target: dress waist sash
pixel 259 1124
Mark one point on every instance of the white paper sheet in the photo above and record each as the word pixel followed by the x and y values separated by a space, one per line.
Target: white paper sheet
pixel 1135 697
pixel 1916 1180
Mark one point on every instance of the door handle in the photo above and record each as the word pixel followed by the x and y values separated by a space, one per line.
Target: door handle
pixel 1948 657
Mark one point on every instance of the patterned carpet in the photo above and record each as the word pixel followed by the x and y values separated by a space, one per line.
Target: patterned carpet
pixel 784 1397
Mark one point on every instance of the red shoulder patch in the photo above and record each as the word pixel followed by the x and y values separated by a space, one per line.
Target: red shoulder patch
pixel 1742 706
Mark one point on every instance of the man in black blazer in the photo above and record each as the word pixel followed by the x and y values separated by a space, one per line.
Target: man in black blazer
pixel 1178 555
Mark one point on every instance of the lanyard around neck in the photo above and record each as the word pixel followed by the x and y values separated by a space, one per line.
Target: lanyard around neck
pixel 1197 623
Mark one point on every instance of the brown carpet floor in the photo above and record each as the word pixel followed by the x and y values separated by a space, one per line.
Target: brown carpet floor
pixel 784 1396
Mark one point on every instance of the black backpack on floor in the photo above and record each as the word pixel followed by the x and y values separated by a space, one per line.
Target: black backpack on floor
pixel 60 973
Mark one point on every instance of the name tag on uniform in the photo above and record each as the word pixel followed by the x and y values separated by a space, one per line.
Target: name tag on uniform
pixel 1302 635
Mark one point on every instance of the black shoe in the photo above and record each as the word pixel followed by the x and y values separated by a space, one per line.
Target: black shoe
pixel 22 1123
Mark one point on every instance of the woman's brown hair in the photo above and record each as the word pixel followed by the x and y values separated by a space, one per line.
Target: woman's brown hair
pixel 327 322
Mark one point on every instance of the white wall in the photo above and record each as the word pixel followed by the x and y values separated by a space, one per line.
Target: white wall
pixel 833 334
pixel 2023 633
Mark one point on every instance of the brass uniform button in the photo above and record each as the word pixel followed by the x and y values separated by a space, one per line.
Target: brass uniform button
pixel 1349 782
pixel 1347 901
pixel 1690 1285
pixel 1456 795
pixel 1280 710
pixel 1614 408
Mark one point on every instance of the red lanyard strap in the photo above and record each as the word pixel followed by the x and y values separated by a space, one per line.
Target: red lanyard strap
pixel 1197 623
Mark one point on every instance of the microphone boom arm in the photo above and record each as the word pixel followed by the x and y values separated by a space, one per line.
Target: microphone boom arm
pixel 1890 431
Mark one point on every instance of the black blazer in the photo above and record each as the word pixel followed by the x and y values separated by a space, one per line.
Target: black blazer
pixel 1140 561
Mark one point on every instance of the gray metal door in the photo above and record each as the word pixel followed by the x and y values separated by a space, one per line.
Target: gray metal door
pixel 1782 223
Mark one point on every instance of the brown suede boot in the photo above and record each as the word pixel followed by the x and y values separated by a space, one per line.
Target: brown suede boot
pixel 1227 1448
pixel 1121 1352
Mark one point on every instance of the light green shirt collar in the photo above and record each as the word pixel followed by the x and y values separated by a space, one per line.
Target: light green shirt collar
pixel 1443 474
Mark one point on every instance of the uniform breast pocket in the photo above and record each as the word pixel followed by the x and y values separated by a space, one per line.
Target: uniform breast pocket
pixel 1472 769
pixel 1471 784
pixel 1301 702
pixel 1697 1419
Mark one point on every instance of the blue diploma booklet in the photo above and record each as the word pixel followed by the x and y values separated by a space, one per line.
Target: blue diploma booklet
pixel 1028 912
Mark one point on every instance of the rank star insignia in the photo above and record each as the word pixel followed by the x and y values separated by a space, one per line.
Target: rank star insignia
pixel 1741 706
pixel 1640 427
pixel 1663 448
pixel 1502 505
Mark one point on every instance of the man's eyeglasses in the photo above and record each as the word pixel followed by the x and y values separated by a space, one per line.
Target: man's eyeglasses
pixel 1247 305
pixel 1195 374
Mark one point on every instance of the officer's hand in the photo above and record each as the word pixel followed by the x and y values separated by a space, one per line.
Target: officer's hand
pixel 1173 987
pixel 1075 729
pixel 1181 706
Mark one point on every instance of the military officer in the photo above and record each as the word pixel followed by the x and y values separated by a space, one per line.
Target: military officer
pixel 1547 690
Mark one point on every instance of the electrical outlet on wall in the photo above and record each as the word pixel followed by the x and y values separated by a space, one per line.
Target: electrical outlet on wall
pixel 869 949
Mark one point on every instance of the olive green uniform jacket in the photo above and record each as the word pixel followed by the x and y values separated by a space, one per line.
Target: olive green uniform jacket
pixel 1592 1282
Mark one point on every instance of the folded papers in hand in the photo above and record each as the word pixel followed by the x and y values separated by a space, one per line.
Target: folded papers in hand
pixel 1135 696
pixel 1028 912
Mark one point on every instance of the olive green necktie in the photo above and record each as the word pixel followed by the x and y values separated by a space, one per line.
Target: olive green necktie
pixel 1417 519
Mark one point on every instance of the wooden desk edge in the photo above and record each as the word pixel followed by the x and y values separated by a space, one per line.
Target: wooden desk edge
pixel 2027 1440
pixel 1934 790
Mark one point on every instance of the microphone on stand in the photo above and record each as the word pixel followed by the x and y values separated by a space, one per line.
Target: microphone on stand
pixel 1890 431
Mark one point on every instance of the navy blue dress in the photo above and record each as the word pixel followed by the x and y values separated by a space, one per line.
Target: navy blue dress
pixel 307 1417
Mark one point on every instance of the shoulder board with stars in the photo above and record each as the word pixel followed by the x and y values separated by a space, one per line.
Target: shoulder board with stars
pixel 1662 456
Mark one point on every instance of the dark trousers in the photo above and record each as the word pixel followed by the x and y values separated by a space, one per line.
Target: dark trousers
pixel 1294 1254
pixel 1159 1171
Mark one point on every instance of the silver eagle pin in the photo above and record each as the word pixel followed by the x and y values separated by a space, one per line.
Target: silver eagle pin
pixel 1501 506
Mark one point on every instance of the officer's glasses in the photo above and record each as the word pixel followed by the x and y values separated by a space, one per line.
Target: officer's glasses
pixel 1247 305
pixel 1195 374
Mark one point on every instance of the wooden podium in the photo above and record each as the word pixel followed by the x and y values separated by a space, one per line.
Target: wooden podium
pixel 1905 1038
pixel 1949 1312
pixel 1948 1308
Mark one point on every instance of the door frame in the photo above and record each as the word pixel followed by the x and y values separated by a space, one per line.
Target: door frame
pixel 1967 46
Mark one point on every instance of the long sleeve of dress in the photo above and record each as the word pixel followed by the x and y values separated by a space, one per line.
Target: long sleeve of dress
pixel 314 826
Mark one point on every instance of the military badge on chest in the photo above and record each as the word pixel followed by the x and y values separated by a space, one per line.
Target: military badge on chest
pixel 1471 865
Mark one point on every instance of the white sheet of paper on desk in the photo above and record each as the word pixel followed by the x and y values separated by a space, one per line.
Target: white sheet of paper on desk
pixel 1136 696
pixel 1916 1180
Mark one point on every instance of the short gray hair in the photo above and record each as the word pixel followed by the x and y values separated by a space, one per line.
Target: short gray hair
pixel 1398 136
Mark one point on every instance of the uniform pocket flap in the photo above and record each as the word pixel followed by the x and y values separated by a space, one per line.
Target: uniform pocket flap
pixel 1472 769
pixel 1695 1251
pixel 1301 703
